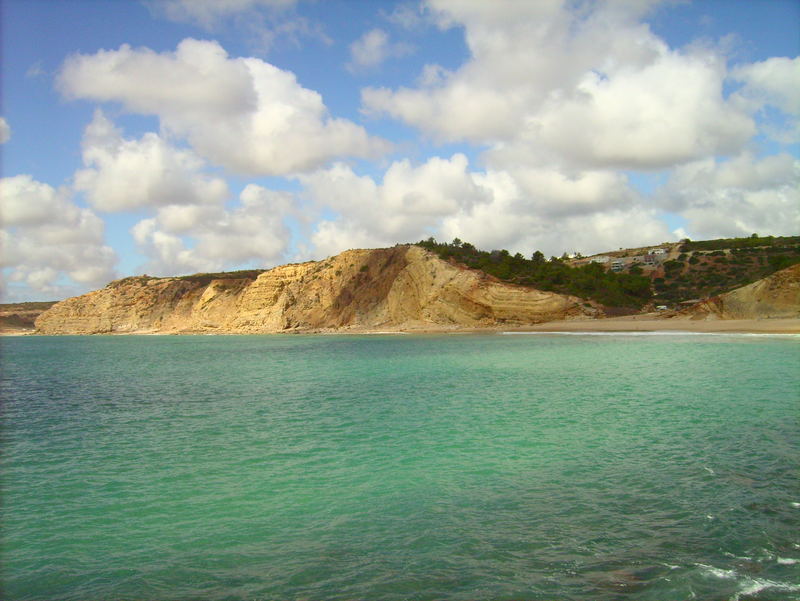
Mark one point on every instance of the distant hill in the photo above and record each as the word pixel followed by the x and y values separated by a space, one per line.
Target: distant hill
pixel 692 270
pixel 712 267
pixel 588 279
pixel 774 297
pixel 20 317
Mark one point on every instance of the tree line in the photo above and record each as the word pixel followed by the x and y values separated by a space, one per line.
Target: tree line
pixel 590 281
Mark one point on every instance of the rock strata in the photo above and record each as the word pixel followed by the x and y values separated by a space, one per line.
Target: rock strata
pixel 774 297
pixel 400 288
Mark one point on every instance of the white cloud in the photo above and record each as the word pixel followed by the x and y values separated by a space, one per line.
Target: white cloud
pixel 47 238
pixel 547 210
pixel 5 131
pixel 521 210
pixel 773 81
pixel 736 197
pixel 242 113
pixel 373 48
pixel 409 15
pixel 492 226
pixel 589 88
pixel 407 205
pixel 207 12
pixel 191 229
pixel 26 202
pixel 662 114
pixel 127 174
pixel 262 23
pixel 254 232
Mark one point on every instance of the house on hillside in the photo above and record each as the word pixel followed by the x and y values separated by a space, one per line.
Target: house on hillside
pixel 600 259
pixel 658 251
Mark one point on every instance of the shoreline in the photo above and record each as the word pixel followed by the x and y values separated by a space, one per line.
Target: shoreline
pixel 639 323
pixel 634 323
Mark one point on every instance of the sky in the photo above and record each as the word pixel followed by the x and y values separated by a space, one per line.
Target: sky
pixel 179 136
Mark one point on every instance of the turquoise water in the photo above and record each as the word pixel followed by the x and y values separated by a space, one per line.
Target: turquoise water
pixel 540 467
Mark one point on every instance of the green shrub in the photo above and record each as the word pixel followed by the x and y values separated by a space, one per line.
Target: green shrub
pixel 587 281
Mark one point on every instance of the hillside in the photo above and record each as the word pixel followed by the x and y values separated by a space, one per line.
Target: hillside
pixel 712 267
pixel 774 297
pixel 398 288
pixel 17 318
pixel 587 280
pixel 693 270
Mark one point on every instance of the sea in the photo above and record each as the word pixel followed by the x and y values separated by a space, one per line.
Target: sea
pixel 401 467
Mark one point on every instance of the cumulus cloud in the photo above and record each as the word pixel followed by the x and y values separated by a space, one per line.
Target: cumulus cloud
pixel 5 131
pixel 373 48
pixel 188 239
pixel 191 229
pixel 736 197
pixel 589 88
pixel 242 113
pixel 47 238
pixel 773 83
pixel 662 114
pixel 408 204
pixel 555 212
pixel 521 210
pixel 127 174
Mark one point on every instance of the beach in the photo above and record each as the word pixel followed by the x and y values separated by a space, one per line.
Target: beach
pixel 631 323
pixel 647 323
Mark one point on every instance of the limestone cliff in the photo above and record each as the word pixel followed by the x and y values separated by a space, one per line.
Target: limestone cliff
pixel 19 318
pixel 776 296
pixel 398 288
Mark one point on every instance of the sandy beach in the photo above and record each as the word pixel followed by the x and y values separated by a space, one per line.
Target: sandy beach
pixel 633 323
pixel 646 323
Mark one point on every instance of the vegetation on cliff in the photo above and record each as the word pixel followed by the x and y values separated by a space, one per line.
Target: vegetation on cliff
pixel 708 268
pixel 778 244
pixel 590 281
pixel 196 278
pixel 21 316
pixel 390 288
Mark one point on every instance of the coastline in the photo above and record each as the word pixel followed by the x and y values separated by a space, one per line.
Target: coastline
pixel 644 323
pixel 633 323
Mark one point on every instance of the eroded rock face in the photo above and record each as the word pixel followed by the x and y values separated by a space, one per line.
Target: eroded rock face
pixel 776 296
pixel 404 287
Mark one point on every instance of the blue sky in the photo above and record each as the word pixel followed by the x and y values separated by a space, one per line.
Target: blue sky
pixel 177 136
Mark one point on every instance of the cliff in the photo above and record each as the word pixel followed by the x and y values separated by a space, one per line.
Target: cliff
pixel 399 288
pixel 776 296
pixel 19 318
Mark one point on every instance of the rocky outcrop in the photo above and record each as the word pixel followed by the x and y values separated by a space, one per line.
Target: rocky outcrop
pixel 19 318
pixel 776 296
pixel 398 288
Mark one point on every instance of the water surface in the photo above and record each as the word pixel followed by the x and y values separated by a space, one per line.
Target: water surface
pixel 401 467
